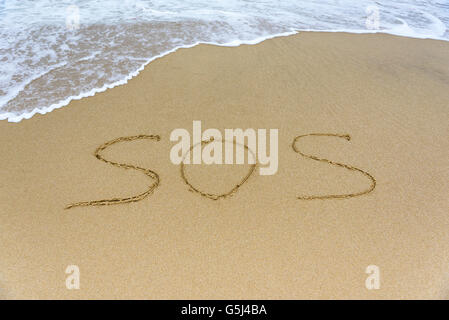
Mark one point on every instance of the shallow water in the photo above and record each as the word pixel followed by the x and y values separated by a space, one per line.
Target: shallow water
pixel 54 51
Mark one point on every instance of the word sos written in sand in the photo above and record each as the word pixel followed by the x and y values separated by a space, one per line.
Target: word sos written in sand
pixel 213 146
pixel 207 147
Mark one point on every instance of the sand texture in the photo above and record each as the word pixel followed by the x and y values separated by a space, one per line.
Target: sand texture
pixel 390 94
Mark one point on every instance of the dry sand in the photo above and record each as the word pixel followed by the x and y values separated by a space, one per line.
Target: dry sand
pixel 389 93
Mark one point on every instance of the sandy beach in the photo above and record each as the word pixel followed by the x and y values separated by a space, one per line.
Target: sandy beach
pixel 389 93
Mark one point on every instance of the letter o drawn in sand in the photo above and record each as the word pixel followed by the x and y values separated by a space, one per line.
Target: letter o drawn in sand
pixel 234 189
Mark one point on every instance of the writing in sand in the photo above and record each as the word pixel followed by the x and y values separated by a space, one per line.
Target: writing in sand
pixel 156 179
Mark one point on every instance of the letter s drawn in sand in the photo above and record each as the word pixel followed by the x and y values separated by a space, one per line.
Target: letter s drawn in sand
pixel 333 196
pixel 153 175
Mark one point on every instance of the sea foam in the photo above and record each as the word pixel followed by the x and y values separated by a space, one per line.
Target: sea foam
pixel 52 52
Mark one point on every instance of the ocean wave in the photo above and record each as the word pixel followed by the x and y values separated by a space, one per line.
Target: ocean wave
pixel 53 52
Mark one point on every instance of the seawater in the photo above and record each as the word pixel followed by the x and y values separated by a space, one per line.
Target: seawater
pixel 52 52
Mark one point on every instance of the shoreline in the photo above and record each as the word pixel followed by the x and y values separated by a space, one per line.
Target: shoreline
pixel 14 117
pixel 388 93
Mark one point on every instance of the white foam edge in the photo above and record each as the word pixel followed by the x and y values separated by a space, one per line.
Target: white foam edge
pixel 14 117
